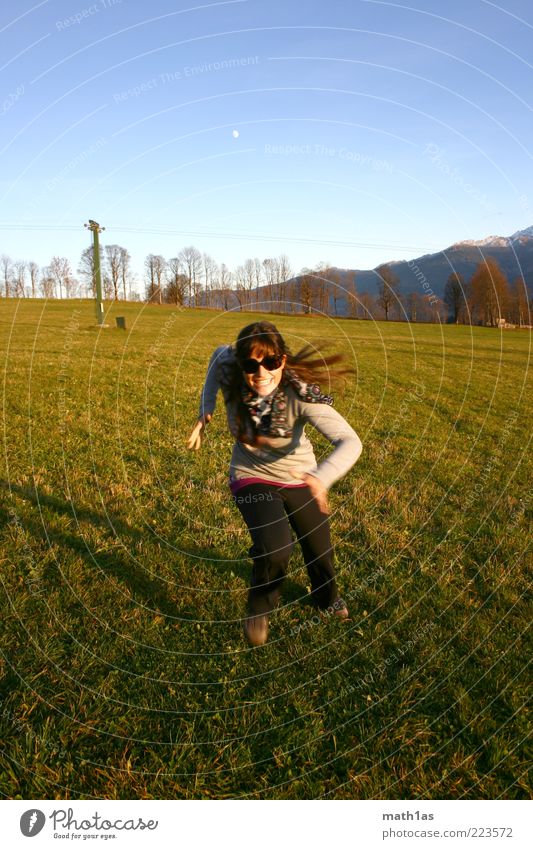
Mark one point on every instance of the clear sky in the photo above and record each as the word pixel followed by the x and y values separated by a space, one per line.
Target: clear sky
pixel 350 131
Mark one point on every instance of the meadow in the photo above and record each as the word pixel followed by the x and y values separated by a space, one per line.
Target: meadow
pixel 124 569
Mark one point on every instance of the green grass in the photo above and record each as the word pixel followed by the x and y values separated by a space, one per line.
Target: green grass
pixel 124 567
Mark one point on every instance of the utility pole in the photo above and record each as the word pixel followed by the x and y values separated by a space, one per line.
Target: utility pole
pixel 96 229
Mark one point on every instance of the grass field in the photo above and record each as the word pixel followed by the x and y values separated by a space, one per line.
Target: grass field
pixel 124 567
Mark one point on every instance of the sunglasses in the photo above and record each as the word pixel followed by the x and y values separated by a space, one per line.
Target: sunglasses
pixel 251 366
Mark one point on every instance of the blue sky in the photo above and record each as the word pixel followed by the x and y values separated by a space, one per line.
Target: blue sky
pixel 367 131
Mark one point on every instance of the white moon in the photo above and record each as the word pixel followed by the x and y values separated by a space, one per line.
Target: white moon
pixel 235 134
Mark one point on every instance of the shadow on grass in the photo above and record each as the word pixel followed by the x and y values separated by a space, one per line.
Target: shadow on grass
pixel 147 588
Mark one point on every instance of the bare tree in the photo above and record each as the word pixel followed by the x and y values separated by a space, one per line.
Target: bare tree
pixel 191 259
pixel 333 279
pixel 258 275
pixel 283 273
pixel 366 303
pixel 59 269
pixel 86 270
pixel 240 286
pixel 225 280
pixel 520 311
pixel 114 261
pixel 47 283
pixel 322 287
pixel 350 287
pixel 125 273
pixel 33 269
pixel 19 278
pixel 176 289
pixel 388 291
pixel 270 267
pixel 154 265
pixel 6 265
pixel 305 291
pixel 210 270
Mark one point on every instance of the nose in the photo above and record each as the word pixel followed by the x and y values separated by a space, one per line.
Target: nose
pixel 262 371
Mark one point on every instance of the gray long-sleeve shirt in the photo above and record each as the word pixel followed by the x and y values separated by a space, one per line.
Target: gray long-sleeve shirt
pixel 294 453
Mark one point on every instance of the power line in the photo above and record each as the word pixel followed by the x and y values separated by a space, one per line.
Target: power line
pixel 261 237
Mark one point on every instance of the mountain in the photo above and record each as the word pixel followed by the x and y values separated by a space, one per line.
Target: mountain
pixel 428 274
pixel 513 253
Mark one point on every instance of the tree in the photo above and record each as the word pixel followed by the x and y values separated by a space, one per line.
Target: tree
pixel 224 283
pixel 489 293
pixel 177 282
pixel 350 286
pixel 47 284
pixel 283 273
pixel 210 269
pixel 270 273
pixel 59 270
pixel 154 265
pixel 6 265
pixel 19 278
pixel 86 269
pixel 367 303
pixel 454 296
pixel 33 269
pixel 125 273
pixel 520 311
pixel 321 287
pixel 191 259
pixel 305 289
pixel 114 263
pixel 388 289
pixel 258 275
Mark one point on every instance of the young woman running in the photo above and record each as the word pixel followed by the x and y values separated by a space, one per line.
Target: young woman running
pixel 270 395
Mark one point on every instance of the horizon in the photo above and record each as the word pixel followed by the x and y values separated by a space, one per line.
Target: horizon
pixel 372 133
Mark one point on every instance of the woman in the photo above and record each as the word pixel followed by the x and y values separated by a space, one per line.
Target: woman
pixel 270 395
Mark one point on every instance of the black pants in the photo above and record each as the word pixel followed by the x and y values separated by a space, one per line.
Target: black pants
pixel 270 510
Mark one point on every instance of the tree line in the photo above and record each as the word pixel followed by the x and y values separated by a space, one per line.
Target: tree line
pixel 195 279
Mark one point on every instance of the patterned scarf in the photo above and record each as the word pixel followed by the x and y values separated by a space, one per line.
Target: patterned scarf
pixel 269 413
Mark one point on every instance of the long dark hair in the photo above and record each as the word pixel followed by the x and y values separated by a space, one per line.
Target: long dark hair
pixel 263 338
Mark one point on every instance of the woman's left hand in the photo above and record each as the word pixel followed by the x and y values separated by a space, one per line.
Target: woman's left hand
pixel 318 490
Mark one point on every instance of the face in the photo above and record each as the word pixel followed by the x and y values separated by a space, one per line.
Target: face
pixel 263 382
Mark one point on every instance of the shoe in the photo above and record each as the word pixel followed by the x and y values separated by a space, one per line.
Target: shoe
pixel 339 608
pixel 256 629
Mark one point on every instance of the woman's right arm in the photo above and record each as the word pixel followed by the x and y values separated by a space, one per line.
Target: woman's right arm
pixel 208 399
